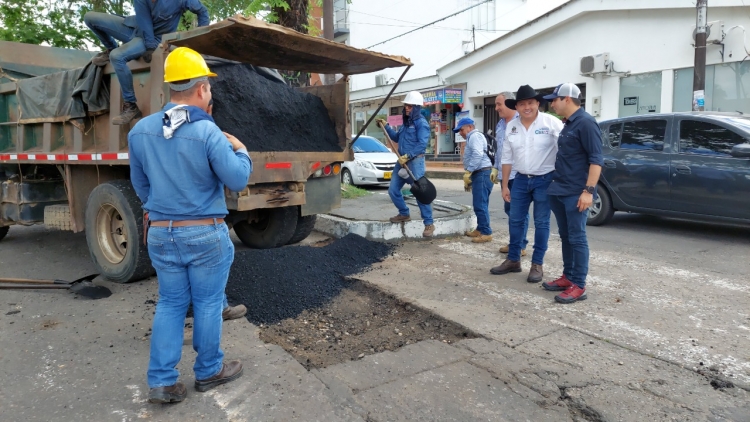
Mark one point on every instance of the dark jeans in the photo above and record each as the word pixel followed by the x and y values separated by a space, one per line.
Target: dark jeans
pixel 506 206
pixel 575 247
pixel 528 189
pixel 481 188
pixel 417 166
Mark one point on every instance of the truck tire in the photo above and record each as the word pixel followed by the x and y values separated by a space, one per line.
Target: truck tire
pixel 114 232
pixel 601 211
pixel 274 228
pixel 305 226
pixel 4 231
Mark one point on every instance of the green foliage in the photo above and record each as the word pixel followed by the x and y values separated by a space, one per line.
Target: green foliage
pixel 217 10
pixel 352 192
pixel 44 22
pixel 266 8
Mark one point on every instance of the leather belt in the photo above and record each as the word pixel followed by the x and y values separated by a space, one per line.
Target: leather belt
pixel 481 169
pixel 531 176
pixel 187 223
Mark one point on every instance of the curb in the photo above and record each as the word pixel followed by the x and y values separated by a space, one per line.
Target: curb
pixel 384 231
pixel 442 174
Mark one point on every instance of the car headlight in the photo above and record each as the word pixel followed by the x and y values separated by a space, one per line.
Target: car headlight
pixel 365 164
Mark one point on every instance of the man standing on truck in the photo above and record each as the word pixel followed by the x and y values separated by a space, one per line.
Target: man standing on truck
pixel 179 164
pixel 140 35
pixel 571 193
pixel 412 138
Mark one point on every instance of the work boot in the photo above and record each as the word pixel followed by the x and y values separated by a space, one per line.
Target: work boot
pixel 233 312
pixel 506 249
pixel 172 394
pixel 130 111
pixel 400 219
pixel 429 230
pixel 535 274
pixel 101 59
pixel 482 238
pixel 506 267
pixel 229 372
pixel 473 233
pixel 572 294
pixel 558 285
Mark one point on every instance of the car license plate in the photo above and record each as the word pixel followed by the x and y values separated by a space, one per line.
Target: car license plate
pixel 387 175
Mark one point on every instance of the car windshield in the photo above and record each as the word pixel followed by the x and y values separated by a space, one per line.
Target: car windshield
pixel 368 144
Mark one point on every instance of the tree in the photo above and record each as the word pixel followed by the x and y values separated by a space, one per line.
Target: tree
pixel 43 22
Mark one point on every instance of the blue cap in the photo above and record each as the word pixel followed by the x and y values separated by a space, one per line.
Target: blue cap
pixel 463 122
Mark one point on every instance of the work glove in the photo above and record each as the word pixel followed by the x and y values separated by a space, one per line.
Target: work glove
pixel 493 176
pixel 147 55
pixel 403 159
pixel 381 122
pixel 467 181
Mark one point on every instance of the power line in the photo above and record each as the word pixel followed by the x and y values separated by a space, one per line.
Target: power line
pixel 431 23
pixel 435 27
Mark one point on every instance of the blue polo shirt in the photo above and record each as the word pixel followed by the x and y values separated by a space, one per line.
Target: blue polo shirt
pixel 578 146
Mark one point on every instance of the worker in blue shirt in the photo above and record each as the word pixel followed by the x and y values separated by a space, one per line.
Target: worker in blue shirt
pixel 140 35
pixel 412 138
pixel 571 192
pixel 180 162
pixel 478 167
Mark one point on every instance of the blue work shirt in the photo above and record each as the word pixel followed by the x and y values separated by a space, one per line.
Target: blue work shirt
pixel 578 146
pixel 412 137
pixel 154 18
pixel 499 138
pixel 183 177
pixel 475 153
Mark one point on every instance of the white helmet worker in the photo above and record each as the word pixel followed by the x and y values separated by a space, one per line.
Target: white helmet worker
pixel 414 98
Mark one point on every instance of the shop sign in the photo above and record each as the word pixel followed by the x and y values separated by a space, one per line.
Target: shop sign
pixel 453 96
pixel 435 117
pixel 630 101
pixel 433 97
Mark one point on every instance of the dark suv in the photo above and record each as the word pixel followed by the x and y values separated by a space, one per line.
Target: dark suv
pixel 686 165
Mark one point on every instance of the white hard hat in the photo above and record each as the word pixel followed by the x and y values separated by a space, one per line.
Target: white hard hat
pixel 414 98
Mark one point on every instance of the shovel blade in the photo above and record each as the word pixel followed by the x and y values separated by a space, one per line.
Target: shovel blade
pixel 88 289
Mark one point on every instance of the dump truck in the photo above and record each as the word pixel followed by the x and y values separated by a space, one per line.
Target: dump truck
pixel 65 165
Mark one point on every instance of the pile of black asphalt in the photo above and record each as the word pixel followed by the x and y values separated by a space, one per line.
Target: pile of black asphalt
pixel 276 284
pixel 270 116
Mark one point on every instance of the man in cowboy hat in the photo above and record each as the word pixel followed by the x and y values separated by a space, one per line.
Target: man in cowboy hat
pixel 530 146
pixel 577 168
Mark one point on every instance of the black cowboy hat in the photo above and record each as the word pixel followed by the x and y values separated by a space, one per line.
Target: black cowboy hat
pixel 525 92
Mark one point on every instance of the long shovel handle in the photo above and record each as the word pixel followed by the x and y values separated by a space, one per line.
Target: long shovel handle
pixel 390 142
pixel 34 286
pixel 30 281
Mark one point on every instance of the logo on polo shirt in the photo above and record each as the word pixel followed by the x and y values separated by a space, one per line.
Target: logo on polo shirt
pixel 513 130
pixel 542 131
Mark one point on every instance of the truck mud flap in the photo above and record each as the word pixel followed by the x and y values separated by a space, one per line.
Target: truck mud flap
pixel 322 195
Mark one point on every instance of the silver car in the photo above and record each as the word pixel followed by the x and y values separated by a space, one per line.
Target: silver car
pixel 373 163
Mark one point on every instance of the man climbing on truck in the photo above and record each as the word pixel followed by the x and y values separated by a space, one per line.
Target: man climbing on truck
pixel 140 35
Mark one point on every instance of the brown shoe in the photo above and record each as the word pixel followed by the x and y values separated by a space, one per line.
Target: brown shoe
pixel 473 233
pixel 536 274
pixel 482 238
pixel 229 372
pixel 429 230
pixel 506 249
pixel 506 267
pixel 172 394
pixel 400 218
pixel 233 312
pixel 101 59
pixel 130 111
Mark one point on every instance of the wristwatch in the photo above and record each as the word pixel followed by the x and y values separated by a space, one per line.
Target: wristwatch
pixel 590 189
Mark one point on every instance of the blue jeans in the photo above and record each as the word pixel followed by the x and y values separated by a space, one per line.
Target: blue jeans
pixel 109 28
pixel 397 182
pixel 192 264
pixel 506 206
pixel 528 189
pixel 575 246
pixel 481 188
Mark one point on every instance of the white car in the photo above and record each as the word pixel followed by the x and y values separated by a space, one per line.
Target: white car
pixel 373 163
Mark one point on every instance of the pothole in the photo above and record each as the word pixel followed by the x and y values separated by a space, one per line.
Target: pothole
pixel 361 320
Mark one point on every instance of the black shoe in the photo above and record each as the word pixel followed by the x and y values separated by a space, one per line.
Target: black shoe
pixel 101 59
pixel 229 372
pixel 130 111
pixel 172 394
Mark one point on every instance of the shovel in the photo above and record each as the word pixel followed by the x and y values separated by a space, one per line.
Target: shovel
pixel 423 190
pixel 82 286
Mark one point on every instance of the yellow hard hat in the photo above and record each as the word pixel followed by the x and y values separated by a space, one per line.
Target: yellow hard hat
pixel 183 64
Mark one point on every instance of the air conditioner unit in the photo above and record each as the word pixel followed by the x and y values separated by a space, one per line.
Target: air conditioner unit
pixel 597 63
pixel 714 32
pixel 381 79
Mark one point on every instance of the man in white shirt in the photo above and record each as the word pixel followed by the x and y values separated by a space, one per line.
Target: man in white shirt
pixel 530 148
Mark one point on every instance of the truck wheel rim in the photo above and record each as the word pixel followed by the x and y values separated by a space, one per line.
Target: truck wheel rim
pixel 596 207
pixel 111 234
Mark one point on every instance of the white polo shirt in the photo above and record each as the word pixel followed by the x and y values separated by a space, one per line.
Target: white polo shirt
pixel 533 151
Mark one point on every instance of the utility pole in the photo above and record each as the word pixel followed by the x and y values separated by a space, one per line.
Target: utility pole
pixel 473 39
pixel 328 32
pixel 699 69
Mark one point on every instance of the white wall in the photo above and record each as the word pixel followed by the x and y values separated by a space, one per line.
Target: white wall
pixel 638 41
